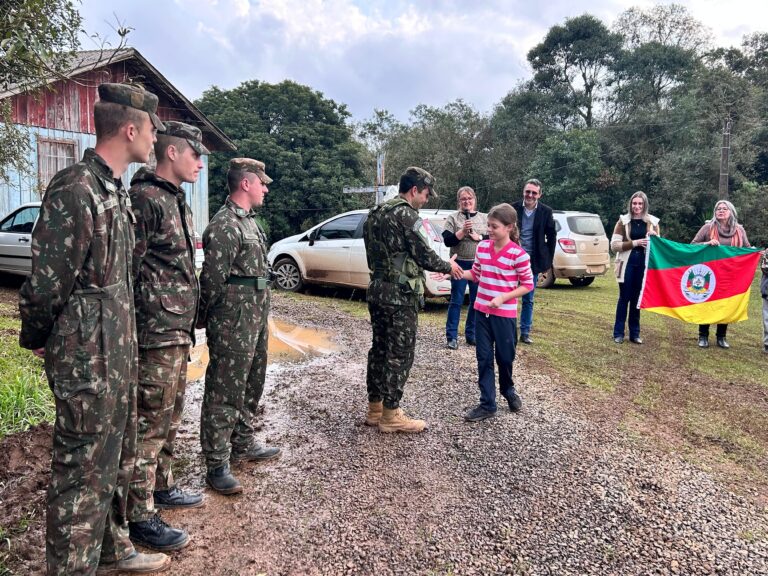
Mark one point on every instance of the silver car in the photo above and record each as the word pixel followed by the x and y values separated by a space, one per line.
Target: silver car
pixel 16 239
pixel 333 253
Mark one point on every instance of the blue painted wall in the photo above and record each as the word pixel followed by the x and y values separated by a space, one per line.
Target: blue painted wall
pixel 21 188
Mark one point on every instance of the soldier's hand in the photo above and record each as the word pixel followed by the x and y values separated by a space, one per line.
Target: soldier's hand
pixel 40 352
pixel 439 276
pixel 456 271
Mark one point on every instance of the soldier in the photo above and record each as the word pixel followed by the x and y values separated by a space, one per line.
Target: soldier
pixel 397 254
pixel 77 311
pixel 234 303
pixel 166 293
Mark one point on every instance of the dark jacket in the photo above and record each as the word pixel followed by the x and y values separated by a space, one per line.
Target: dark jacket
pixel 544 236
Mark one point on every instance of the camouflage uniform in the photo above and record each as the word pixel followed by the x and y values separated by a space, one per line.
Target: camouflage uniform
pixel 234 303
pixel 397 253
pixel 78 303
pixel 166 291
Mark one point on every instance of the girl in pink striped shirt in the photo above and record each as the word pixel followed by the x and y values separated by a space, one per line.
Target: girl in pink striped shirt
pixel 502 270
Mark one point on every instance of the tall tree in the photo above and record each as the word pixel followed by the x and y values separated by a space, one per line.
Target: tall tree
pixel 573 60
pixel 303 138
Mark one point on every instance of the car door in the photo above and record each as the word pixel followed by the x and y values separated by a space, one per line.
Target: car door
pixel 16 240
pixel 359 275
pixel 328 255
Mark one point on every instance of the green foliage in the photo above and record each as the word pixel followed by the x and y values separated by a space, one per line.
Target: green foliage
pixel 25 399
pixel 37 41
pixel 305 142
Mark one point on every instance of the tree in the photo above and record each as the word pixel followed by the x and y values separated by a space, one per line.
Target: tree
pixel 305 142
pixel 573 60
pixel 37 41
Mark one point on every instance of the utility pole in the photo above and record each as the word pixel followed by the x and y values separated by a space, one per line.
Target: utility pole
pixel 724 157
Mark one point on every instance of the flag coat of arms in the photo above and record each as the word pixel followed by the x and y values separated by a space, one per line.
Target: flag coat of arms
pixel 698 283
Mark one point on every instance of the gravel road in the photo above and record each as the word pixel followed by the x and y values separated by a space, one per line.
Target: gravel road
pixel 544 491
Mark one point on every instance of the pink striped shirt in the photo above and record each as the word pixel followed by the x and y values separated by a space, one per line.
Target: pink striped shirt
pixel 498 273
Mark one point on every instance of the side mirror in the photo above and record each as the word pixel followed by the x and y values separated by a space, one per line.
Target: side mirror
pixel 313 236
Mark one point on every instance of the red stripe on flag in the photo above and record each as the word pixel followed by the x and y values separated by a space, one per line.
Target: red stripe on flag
pixel 732 276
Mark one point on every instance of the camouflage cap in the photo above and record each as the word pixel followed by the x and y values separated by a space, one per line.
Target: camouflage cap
pixel 415 176
pixel 250 165
pixel 191 134
pixel 134 97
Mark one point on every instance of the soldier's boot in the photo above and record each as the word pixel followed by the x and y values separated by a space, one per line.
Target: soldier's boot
pixel 394 420
pixel 157 535
pixel 176 498
pixel 375 410
pixel 136 563
pixel 221 480
pixel 256 453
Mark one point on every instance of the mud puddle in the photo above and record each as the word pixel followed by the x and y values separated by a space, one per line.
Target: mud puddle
pixel 288 342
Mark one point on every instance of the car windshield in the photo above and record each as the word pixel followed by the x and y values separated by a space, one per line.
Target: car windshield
pixel 586 225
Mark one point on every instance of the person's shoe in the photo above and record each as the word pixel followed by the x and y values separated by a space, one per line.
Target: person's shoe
pixel 221 480
pixel 526 339
pixel 618 339
pixel 176 498
pixel 375 410
pixel 394 420
pixel 157 535
pixel 453 344
pixel 703 342
pixel 255 453
pixel 471 341
pixel 478 413
pixel 136 563
pixel 637 340
pixel 722 343
pixel 515 402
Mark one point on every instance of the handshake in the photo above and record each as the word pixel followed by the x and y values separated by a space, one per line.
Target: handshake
pixel 457 272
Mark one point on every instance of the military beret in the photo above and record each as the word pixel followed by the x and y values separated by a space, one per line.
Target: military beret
pixel 250 165
pixel 191 134
pixel 415 176
pixel 134 97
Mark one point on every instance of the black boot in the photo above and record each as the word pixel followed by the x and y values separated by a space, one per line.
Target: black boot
pixel 157 535
pixel 176 498
pixel 722 343
pixel 703 342
pixel 221 480
pixel 255 453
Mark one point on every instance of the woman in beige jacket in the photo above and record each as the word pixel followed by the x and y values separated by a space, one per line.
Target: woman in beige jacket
pixel 629 241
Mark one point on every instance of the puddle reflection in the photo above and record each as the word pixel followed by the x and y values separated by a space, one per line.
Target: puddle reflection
pixel 287 342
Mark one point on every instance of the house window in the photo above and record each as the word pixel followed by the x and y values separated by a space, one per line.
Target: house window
pixel 52 156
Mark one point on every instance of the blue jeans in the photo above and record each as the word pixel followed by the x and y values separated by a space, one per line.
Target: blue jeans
pixel 526 312
pixel 629 294
pixel 458 288
pixel 496 339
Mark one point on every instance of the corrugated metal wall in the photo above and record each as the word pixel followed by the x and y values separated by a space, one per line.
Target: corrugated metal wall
pixel 20 188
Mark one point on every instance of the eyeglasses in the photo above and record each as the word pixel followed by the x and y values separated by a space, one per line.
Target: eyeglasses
pixel 531 192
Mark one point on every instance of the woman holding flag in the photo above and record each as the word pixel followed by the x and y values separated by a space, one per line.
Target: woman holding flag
pixel 723 230
pixel 629 240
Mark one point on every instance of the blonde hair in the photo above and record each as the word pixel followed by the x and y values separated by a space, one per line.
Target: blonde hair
pixel 467 189
pixel 507 215
pixel 639 194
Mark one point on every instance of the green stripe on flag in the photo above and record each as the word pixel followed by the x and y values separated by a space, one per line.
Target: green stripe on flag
pixel 665 253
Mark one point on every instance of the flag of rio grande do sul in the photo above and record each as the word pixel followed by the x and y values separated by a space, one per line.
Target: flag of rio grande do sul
pixel 698 283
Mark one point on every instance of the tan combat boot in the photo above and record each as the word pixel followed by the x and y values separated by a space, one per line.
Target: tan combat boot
pixel 396 421
pixel 374 413
pixel 136 563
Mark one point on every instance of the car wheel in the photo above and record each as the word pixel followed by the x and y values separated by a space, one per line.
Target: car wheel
pixel 546 279
pixel 580 282
pixel 287 275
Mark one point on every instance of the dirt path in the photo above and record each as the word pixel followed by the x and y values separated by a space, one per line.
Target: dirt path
pixel 545 491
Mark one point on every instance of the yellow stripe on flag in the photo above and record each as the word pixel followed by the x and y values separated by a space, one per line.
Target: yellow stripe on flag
pixel 723 311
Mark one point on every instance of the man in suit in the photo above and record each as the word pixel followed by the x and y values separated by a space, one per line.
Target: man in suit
pixel 537 238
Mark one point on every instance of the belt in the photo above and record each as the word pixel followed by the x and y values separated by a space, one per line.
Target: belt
pixel 255 282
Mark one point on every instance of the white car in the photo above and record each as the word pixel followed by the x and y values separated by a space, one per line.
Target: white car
pixel 333 253
pixel 16 239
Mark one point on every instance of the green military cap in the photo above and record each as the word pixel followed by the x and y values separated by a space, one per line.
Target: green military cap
pixel 415 176
pixel 250 165
pixel 134 97
pixel 191 134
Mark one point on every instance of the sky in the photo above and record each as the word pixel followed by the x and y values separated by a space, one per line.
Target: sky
pixel 385 54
